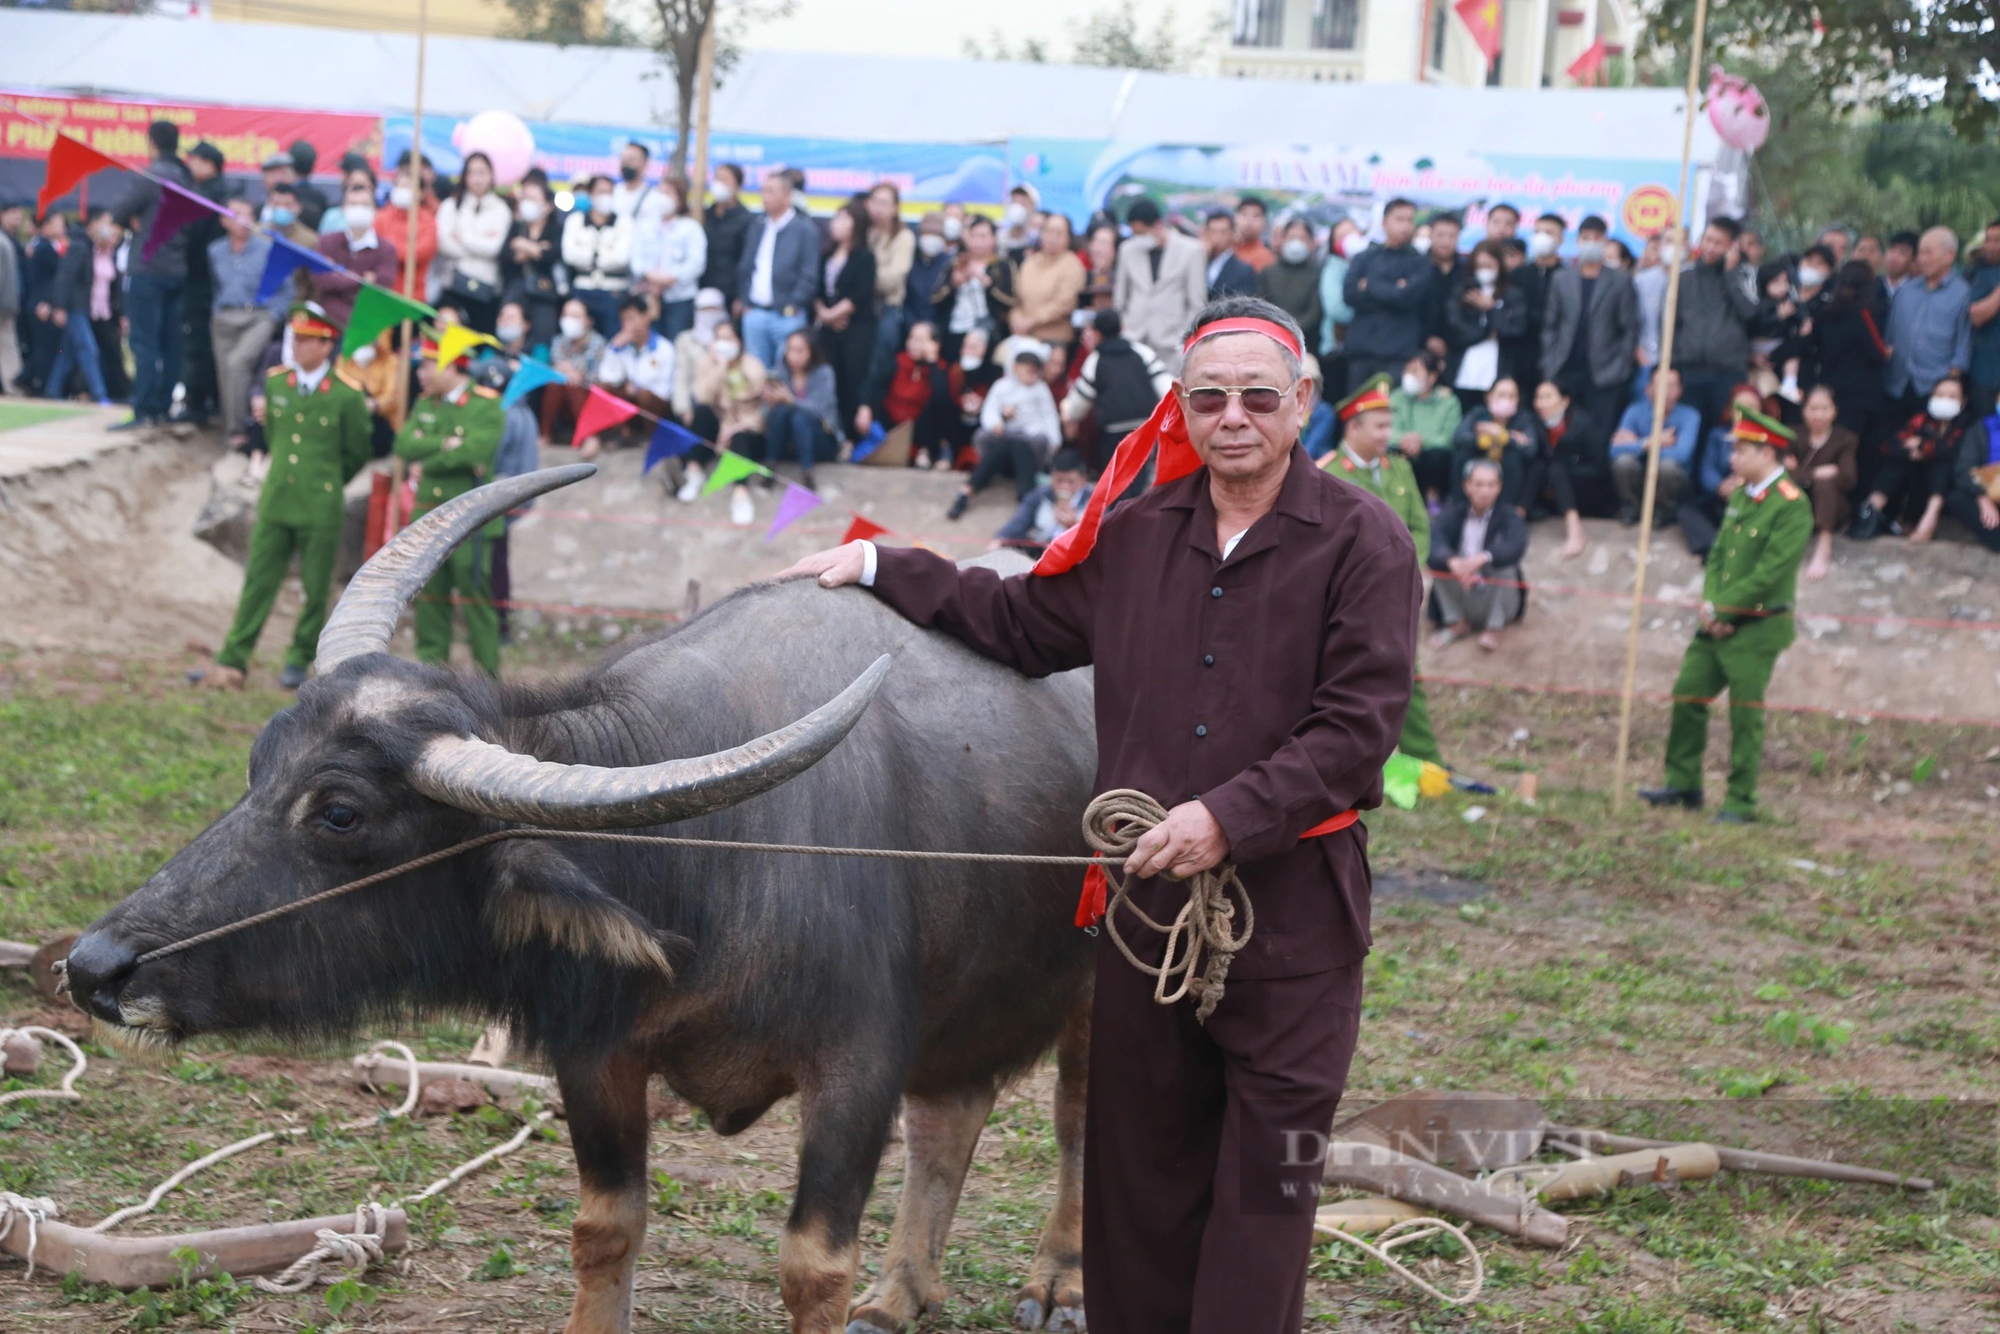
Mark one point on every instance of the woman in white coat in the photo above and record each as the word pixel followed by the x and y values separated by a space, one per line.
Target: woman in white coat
pixel 669 254
pixel 472 229
pixel 597 251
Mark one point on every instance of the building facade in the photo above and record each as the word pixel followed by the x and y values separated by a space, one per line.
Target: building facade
pixel 1405 41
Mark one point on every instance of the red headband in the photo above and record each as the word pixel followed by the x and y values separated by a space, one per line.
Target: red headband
pixel 1277 333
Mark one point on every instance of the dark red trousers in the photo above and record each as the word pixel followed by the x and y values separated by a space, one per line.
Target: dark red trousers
pixel 1203 1149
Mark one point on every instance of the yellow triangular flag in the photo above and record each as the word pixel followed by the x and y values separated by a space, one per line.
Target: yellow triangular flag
pixel 456 341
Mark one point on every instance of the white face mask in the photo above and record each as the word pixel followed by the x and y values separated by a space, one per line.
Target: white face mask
pixel 531 210
pixel 669 207
pixel 1811 275
pixel 1944 407
pixel 1146 240
pixel 1413 384
pixel 572 327
pixel 400 196
pixel 601 204
pixel 1015 215
pixel 1488 279
pixel 725 350
pixel 1353 245
pixel 1295 251
pixel 724 193
pixel 953 229
pixel 1553 422
pixel 1590 252
pixel 970 361
pixel 1503 409
pixel 359 217
pixel 509 333
pixel 1541 245
pixel 930 244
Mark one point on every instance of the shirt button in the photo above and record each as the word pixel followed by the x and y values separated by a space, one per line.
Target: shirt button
pixel 1200 730
pixel 328 485
pixel 1208 660
pixel 293 457
pixel 1215 592
pixel 295 438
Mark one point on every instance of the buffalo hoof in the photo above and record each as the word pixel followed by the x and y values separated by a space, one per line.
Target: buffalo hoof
pixel 868 1327
pixel 1029 1313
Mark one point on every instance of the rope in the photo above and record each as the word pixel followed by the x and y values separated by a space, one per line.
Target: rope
pixel 353 1251
pixel 67 1089
pixel 33 1211
pixel 1409 1232
pixel 1113 824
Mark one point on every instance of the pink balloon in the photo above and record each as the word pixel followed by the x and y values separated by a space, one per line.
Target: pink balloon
pixel 503 137
pixel 1737 111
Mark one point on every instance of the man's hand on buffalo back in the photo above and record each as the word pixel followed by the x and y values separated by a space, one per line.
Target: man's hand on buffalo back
pixel 1187 842
pixel 832 567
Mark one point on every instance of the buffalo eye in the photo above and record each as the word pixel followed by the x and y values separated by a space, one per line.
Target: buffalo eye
pixel 339 818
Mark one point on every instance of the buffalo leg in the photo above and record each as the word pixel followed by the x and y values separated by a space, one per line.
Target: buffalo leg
pixel 939 1136
pixel 1053 1296
pixel 844 1121
pixel 606 1106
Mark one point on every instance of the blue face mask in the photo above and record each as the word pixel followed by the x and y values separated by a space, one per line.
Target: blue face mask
pixel 279 217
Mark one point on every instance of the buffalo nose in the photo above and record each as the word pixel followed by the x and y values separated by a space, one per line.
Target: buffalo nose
pixel 98 967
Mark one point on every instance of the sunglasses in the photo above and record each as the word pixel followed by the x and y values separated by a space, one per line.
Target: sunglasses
pixel 1258 400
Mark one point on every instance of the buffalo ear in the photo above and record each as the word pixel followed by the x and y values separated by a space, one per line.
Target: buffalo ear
pixel 538 893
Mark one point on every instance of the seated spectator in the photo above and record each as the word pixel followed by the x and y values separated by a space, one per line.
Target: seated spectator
pixel 802 408
pixel 1018 431
pixel 1485 322
pixel 1425 414
pixel 1050 510
pixel 945 434
pixel 1477 546
pixel 574 353
pixel 906 403
pixel 516 334
pixel 1917 464
pixel 1576 453
pixel 1700 512
pixel 1823 467
pixel 1502 430
pixel 597 251
pixel 1680 438
pixel 1057 371
pixel 638 366
pixel 1121 382
pixel 1049 282
pixel 1291 282
pixel 730 383
pixel 1975 494
pixel 710 310
pixel 529 263
pixel 517 455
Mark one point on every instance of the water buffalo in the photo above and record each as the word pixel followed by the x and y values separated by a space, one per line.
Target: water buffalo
pixel 739 978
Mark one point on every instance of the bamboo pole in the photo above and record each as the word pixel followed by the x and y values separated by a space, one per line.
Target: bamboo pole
pixel 392 521
pixel 704 87
pixel 1659 406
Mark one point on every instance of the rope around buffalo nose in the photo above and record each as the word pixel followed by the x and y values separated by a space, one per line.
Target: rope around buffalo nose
pixel 1113 823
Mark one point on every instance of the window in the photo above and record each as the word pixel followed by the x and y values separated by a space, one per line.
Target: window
pixel 1440 11
pixel 1334 24
pixel 1258 23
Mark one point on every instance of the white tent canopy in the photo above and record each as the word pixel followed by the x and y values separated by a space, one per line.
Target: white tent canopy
pixel 816 95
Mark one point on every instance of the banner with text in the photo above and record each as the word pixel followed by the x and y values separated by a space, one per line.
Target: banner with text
pixel 29 123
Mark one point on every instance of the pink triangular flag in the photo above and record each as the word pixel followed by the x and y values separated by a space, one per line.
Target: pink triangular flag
pixel 179 206
pixel 601 412
pixel 795 505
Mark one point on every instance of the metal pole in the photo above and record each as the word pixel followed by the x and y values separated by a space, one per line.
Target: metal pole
pixel 392 520
pixel 704 85
pixel 1659 410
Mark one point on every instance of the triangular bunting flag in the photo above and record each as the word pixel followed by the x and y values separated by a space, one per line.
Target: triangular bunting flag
pixel 458 340
pixel 529 376
pixel 731 467
pixel 70 160
pixel 287 258
pixel 1584 68
pixel 376 309
pixel 796 504
pixel 601 412
pixel 179 206
pixel 861 529
pixel 670 439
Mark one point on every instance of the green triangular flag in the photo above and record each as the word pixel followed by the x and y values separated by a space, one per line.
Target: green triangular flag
pixel 376 309
pixel 1400 777
pixel 730 467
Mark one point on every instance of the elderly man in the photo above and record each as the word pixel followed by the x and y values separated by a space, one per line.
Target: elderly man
pixel 1252 623
pixel 1476 552
pixel 1930 325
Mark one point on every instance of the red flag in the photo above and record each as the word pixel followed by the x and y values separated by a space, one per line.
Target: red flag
pixel 862 528
pixel 70 160
pixel 1482 20
pixel 1584 68
pixel 601 412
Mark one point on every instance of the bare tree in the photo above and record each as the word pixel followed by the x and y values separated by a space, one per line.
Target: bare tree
pixel 678 27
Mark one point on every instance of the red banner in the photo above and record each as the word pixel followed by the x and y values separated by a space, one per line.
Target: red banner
pixel 246 135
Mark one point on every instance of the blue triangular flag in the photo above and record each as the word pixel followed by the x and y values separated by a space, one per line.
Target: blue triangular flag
pixel 669 439
pixel 529 376
pixel 869 443
pixel 287 257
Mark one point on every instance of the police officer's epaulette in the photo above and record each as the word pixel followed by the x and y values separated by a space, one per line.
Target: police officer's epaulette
pixel 280 369
pixel 484 392
pixel 1788 490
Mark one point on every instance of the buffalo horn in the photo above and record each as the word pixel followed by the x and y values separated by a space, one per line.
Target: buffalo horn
pixel 366 614
pixel 485 779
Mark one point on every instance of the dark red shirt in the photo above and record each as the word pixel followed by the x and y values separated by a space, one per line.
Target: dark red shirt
pixel 1271 685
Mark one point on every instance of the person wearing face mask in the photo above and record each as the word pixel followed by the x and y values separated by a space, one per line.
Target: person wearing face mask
pixel 393 221
pixel 1424 417
pixel 1590 326
pixel 1484 317
pixel 1917 464
pixel 1292 282
pixel 1649 285
pixel 978 290
pixel 1016 233
pixel 472 231
pixel 635 196
pixel 1502 428
pixel 1974 498
pixel 597 250
pixel 531 272
pixel 726 226
pixel 574 353
pixel 1680 444
pixel 359 248
pixel 1387 287
pixel 1344 241
pixel 240 326
pixel 1161 281
pixel 1048 511
pixel 729 381
pixel 930 262
pixel 1530 283
pixel 669 254
pixel 1823 467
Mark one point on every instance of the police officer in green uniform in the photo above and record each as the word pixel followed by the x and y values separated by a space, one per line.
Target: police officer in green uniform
pixel 318 431
pixel 1365 460
pixel 453 435
pixel 1746 621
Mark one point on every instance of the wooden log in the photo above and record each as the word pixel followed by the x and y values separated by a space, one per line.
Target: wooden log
pixel 380 1068
pixel 16 953
pixel 1372 1213
pixel 1594 1176
pixel 1746 1160
pixel 148 1262
pixel 1401 1177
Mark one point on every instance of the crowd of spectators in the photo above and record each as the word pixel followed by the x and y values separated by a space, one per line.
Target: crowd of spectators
pixel 951 339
